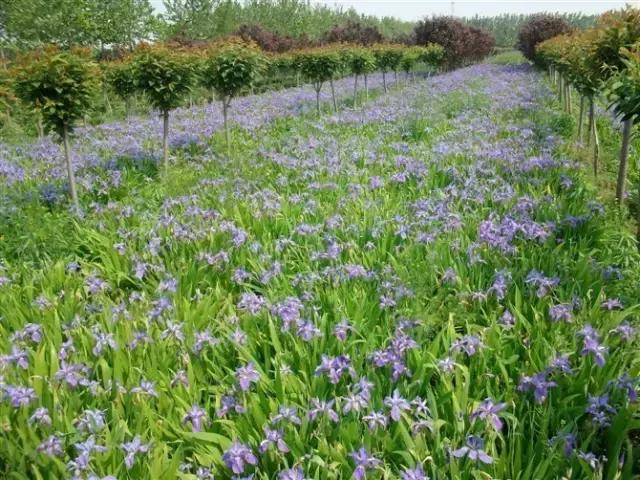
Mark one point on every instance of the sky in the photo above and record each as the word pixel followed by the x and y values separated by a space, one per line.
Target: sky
pixel 413 10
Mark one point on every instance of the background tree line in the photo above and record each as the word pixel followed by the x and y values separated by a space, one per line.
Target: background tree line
pixel 123 23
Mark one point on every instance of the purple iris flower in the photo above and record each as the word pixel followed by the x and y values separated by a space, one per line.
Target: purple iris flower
pixel 414 474
pixel 273 437
pixel 539 384
pixel 198 418
pixel 320 407
pixel 397 404
pixel 133 448
pixel 487 410
pixel 363 463
pixel 238 456
pixel 473 450
pixel 246 376
pixel 292 474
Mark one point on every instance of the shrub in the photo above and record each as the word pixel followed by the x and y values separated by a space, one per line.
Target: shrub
pixel 462 44
pixel 537 29
pixel 354 32
pixel 271 41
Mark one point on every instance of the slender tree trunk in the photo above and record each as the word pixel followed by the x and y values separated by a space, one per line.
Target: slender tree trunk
pixel 355 91
pixel 226 102
pixel 107 103
pixel 333 96
pixel 581 119
pixel 567 97
pixel 366 89
pixel 70 174
pixel 39 126
pixel 384 81
pixel 165 141
pixel 624 157
pixel 318 88
pixel 593 132
pixel 561 92
pixel 591 120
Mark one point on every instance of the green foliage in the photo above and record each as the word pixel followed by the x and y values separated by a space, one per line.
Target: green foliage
pixel 319 65
pixel 432 54
pixel 120 76
pixel 409 59
pixel 59 85
pixel 388 57
pixel 361 61
pixel 206 19
pixel 624 88
pixel 78 22
pixel 617 30
pixel 232 69
pixel 165 77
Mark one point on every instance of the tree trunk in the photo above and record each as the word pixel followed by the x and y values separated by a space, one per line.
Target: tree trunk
pixel 165 141
pixel 318 99
pixel 107 103
pixel 590 121
pixel 624 156
pixel 561 92
pixel 67 159
pixel 366 89
pixel 593 132
pixel 225 116
pixel 39 126
pixel 567 97
pixel 333 96
pixel 355 91
pixel 581 119
pixel 384 81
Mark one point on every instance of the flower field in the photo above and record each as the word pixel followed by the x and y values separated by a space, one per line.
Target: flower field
pixel 426 286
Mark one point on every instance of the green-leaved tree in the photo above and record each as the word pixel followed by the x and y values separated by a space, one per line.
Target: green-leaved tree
pixel 166 78
pixel 61 87
pixel 231 70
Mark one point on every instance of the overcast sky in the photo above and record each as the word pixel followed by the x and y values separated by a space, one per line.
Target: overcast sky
pixel 416 9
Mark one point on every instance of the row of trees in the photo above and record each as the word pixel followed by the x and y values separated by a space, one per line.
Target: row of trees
pixel 123 23
pixel 602 60
pixel 505 27
pixel 61 86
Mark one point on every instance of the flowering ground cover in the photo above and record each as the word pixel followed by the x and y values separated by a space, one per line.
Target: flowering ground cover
pixel 427 287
